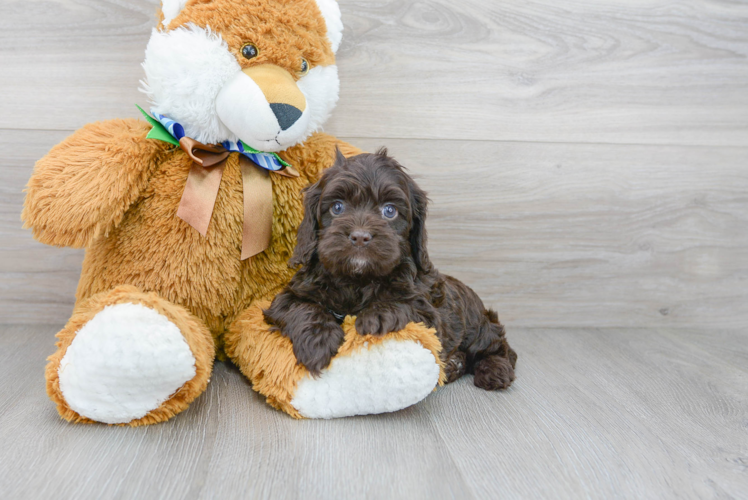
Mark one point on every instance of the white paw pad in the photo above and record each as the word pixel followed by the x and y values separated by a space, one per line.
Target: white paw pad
pixel 124 363
pixel 385 377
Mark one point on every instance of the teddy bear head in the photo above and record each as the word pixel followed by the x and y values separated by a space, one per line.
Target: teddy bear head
pixel 259 71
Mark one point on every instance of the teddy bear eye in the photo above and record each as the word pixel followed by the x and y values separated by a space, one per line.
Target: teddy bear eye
pixel 304 66
pixel 250 50
pixel 337 208
pixel 389 211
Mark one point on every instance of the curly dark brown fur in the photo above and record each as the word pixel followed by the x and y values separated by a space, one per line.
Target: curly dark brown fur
pixel 358 259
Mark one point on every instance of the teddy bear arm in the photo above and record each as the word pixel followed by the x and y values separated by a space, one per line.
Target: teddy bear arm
pixel 84 185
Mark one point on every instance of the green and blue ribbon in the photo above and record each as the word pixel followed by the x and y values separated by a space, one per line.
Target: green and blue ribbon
pixel 167 130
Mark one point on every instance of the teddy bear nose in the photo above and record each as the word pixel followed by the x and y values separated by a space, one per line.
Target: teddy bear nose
pixel 286 114
pixel 360 238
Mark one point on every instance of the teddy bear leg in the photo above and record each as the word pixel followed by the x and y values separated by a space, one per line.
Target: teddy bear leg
pixel 370 374
pixel 128 357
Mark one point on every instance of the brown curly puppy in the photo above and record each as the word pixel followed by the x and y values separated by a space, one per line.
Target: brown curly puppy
pixel 362 248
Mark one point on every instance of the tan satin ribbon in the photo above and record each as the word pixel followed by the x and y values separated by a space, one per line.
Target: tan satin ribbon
pixel 201 191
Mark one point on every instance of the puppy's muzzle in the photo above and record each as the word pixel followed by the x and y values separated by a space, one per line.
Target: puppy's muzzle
pixel 360 238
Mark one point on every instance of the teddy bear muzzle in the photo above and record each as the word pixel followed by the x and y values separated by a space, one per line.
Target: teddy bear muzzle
pixel 264 107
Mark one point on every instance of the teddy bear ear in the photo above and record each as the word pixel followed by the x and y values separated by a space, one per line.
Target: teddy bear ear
pixel 333 19
pixel 171 9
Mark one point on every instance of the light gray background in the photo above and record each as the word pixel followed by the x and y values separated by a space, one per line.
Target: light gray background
pixel 588 168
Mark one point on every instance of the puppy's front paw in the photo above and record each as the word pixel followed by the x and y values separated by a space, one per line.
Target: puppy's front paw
pixel 369 324
pixel 455 366
pixel 381 320
pixel 317 345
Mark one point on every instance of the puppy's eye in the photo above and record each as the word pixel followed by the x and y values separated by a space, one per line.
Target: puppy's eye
pixel 250 50
pixel 389 211
pixel 304 67
pixel 337 208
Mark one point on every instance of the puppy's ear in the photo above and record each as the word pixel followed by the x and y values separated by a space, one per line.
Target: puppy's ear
pixel 339 158
pixel 306 237
pixel 418 239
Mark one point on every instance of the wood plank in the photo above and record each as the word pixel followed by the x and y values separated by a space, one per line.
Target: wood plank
pixel 645 72
pixel 549 234
pixel 616 413
pixel 72 61
pixel 652 72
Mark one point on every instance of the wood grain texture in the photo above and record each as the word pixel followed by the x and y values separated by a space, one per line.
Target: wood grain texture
pixel 615 414
pixel 549 234
pixel 625 413
pixel 593 235
pixel 645 72
pixel 649 71
pixel 587 165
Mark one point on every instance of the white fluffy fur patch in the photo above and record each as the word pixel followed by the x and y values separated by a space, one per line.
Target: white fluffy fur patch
pixel 124 363
pixel 385 377
pixel 333 19
pixel 321 87
pixel 185 69
pixel 171 9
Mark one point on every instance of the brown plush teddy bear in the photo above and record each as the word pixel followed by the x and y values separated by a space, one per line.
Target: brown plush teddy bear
pixel 190 217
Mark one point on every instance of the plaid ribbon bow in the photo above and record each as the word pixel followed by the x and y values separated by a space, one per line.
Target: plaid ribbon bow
pixel 268 161
pixel 204 180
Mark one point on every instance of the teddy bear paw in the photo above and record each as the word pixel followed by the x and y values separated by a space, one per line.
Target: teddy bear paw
pixel 124 363
pixel 380 378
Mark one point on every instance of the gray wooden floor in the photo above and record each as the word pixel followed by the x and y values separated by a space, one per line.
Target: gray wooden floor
pixel 587 163
pixel 616 413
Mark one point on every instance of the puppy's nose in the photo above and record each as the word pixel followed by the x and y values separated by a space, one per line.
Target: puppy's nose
pixel 360 238
pixel 286 114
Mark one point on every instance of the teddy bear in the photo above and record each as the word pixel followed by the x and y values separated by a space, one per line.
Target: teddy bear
pixel 189 217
